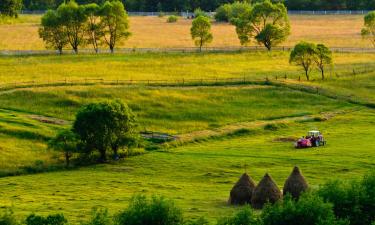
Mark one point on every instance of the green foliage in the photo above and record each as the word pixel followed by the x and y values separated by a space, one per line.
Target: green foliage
pixel 73 19
pixel 114 19
pixel 353 201
pixel 267 22
pixel 57 219
pixel 303 54
pixel 52 31
pixel 323 58
pixel 10 7
pixel 245 216
pixel 99 216
pixel 199 221
pixel 94 29
pixel 66 142
pixel 368 31
pixel 156 211
pixel 308 210
pixel 240 10
pixel 172 19
pixel 201 31
pixel 199 12
pixel 222 13
pixel 7 217
pixel 105 125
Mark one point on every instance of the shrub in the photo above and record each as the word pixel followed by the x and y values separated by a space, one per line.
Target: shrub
pixel 223 13
pixel 155 211
pixel 309 210
pixel 7 217
pixel 353 201
pixel 172 19
pixel 243 217
pixel 99 217
pixel 57 219
pixel 198 12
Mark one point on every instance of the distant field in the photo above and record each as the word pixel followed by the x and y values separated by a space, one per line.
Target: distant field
pixel 171 66
pixel 199 176
pixel 154 32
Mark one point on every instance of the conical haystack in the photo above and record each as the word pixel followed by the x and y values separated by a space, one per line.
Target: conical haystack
pixel 242 191
pixel 266 191
pixel 295 184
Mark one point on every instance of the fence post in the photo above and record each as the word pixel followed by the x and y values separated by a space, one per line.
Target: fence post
pixel 276 77
pixel 285 77
pixel 299 78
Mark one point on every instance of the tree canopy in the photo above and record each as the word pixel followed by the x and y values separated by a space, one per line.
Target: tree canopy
pixel 201 31
pixel 368 31
pixel 10 7
pixel 303 54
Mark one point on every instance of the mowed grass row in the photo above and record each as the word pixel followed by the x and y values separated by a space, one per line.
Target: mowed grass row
pixel 169 66
pixel 332 30
pixel 199 176
pixel 171 110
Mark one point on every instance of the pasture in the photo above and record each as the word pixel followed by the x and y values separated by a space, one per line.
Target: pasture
pixel 332 30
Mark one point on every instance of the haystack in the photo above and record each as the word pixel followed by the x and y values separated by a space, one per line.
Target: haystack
pixel 242 191
pixel 295 184
pixel 266 191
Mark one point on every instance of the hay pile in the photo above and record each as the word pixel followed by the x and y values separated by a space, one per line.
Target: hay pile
pixel 266 191
pixel 242 191
pixel 295 184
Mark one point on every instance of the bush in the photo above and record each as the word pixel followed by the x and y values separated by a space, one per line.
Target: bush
pixel 99 217
pixel 310 209
pixel 223 13
pixel 172 19
pixel 7 217
pixel 151 212
pixel 243 217
pixel 57 219
pixel 355 201
pixel 198 12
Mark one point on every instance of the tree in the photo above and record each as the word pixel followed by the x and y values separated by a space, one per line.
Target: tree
pixel 105 125
pixel 115 23
pixel 200 31
pixel 303 54
pixel 10 7
pixel 368 31
pixel 66 142
pixel 94 29
pixel 52 31
pixel 267 22
pixel 74 19
pixel 323 58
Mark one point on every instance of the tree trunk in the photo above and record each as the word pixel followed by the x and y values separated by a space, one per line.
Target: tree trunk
pixel 322 70
pixel 75 49
pixel 307 75
pixel 112 49
pixel 60 51
pixel 103 156
pixel 67 159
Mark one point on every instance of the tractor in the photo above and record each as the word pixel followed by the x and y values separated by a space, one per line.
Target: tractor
pixel 313 139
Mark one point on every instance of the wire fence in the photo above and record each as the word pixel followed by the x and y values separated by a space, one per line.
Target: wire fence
pixel 175 50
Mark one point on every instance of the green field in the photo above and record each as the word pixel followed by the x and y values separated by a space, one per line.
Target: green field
pixel 221 128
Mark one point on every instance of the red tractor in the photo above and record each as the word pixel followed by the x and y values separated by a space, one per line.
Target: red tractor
pixel 313 139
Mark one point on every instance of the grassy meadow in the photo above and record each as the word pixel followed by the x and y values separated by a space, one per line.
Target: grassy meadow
pixel 199 176
pixel 332 30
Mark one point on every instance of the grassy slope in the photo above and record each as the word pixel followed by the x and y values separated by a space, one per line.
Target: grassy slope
pixel 172 67
pixel 334 30
pixel 199 176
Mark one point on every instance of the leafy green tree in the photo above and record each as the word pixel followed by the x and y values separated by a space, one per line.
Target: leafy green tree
pixel 99 216
pixel 94 28
pixel 368 31
pixel 10 7
pixel 57 219
pixel 222 13
pixel 323 58
pixel 267 22
pixel 105 125
pixel 199 12
pixel 52 31
pixel 303 54
pixel 115 23
pixel 156 211
pixel 66 142
pixel 74 19
pixel 245 216
pixel 201 31
pixel 7 217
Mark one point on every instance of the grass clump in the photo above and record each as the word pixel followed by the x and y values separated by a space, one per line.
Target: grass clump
pixel 275 126
pixel 172 19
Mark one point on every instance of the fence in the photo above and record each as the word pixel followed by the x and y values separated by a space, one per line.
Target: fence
pixel 175 50
pixel 328 12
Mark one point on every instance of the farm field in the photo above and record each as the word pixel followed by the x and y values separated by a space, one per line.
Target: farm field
pixel 332 30
pixel 199 176
pixel 169 66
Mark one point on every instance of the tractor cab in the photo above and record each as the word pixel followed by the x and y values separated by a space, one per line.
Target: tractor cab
pixel 313 133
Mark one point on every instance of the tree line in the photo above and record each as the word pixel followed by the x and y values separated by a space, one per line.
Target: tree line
pixel 79 25
pixel 334 203
pixel 209 5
